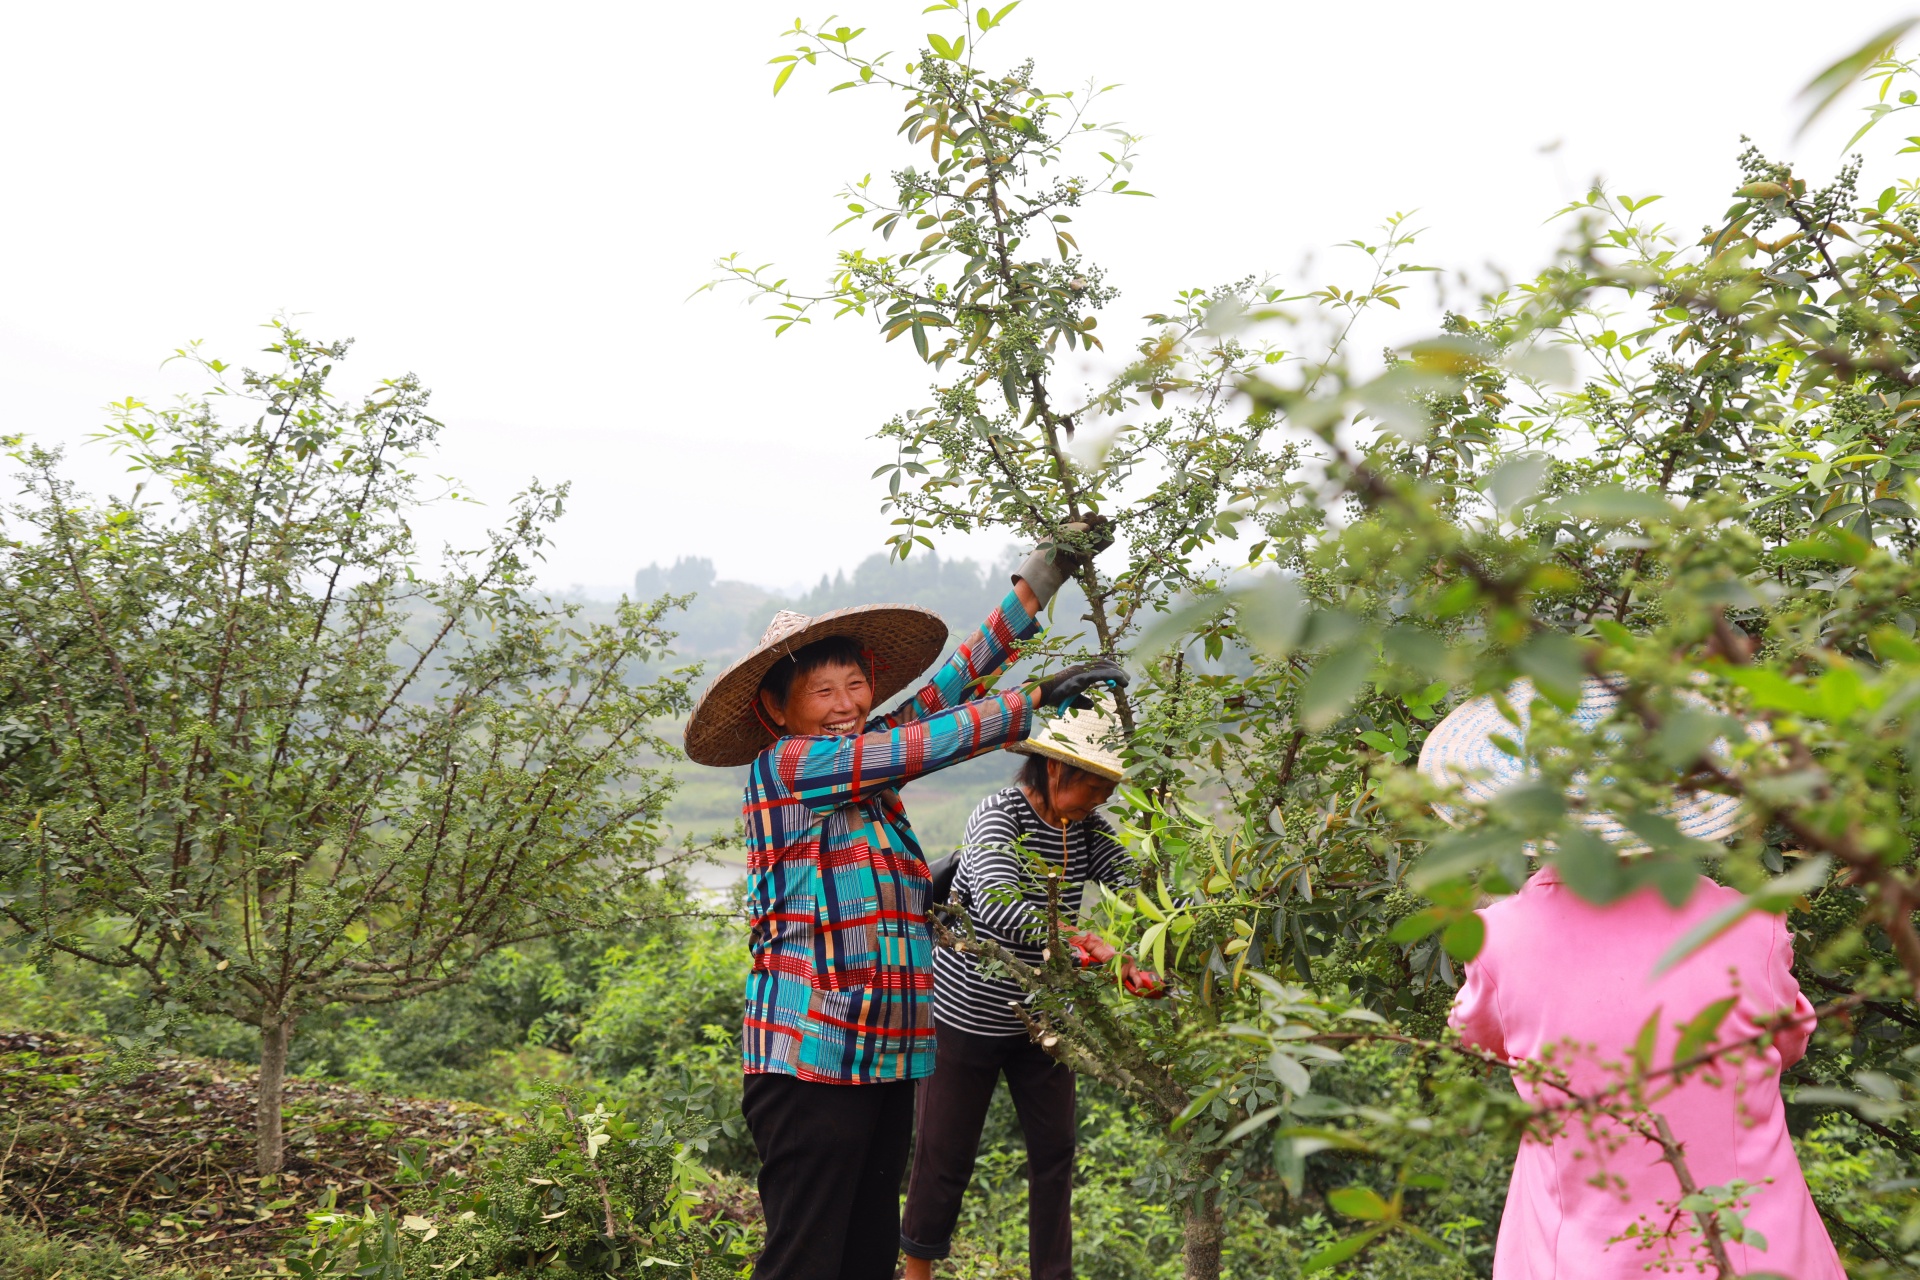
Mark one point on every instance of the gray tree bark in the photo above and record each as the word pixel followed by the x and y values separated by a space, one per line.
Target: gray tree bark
pixel 1200 1252
pixel 275 1031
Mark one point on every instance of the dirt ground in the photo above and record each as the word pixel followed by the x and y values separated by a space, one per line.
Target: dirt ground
pixel 162 1162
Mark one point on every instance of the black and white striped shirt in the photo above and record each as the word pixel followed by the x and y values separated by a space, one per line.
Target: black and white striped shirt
pixel 991 858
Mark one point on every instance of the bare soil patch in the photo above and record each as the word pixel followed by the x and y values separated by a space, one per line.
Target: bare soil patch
pixel 162 1163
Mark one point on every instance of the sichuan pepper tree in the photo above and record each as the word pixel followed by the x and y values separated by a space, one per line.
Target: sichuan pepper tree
pixel 1684 465
pixel 991 287
pixel 264 759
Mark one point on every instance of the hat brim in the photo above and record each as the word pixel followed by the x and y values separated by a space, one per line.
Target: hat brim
pixel 905 640
pixel 1057 742
pixel 1460 753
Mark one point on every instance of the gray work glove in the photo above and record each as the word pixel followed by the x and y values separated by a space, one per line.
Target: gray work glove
pixel 1066 687
pixel 1050 564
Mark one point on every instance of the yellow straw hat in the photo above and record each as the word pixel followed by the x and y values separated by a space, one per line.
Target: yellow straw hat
pixel 1079 738
pixel 904 640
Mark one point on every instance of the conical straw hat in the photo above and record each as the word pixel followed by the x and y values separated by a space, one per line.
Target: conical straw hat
pixel 903 638
pixel 1460 754
pixel 1080 739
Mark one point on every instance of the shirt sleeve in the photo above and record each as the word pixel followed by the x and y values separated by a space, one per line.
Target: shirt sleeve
pixel 975 660
pixel 1476 1009
pixel 824 773
pixel 1791 1040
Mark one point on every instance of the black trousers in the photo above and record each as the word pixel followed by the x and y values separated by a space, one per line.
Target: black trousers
pixel 952 1111
pixel 831 1160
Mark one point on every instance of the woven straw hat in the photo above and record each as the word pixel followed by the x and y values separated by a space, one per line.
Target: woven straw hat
pixel 1460 753
pixel 903 638
pixel 1078 738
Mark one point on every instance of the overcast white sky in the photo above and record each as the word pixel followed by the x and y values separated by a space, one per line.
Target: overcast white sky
pixel 515 201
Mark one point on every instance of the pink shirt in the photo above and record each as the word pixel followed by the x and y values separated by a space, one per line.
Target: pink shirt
pixel 1565 981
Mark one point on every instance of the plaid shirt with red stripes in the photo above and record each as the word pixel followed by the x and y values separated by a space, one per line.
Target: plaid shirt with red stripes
pixel 841 989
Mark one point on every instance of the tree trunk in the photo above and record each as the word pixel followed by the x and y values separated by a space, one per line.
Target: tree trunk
pixel 275 1031
pixel 1202 1247
pixel 1201 1250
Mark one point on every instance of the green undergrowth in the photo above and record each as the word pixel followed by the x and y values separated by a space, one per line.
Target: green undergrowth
pixel 156 1164
pixel 119 1172
pixel 27 1253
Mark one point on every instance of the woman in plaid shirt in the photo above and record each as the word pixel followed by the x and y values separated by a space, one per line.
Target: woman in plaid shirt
pixel 839 1020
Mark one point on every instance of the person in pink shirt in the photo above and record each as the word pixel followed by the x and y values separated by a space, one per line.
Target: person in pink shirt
pixel 1562 990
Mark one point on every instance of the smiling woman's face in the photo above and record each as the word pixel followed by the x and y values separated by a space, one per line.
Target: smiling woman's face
pixel 829 701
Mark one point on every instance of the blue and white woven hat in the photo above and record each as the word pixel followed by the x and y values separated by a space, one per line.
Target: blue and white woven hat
pixel 1460 754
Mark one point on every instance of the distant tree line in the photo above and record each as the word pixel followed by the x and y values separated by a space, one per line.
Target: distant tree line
pixel 725 616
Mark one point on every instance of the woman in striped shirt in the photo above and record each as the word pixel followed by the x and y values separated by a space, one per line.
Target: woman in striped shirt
pixel 1048 816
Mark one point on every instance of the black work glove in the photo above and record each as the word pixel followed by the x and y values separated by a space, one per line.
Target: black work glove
pixel 1049 565
pixel 1065 687
pixel 1095 534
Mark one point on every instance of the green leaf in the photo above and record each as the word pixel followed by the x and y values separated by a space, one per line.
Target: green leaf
pixel 1643 1043
pixel 1557 666
pixel 1774 692
pixel 1838 76
pixel 1462 851
pixel 1517 479
pixel 1363 1203
pixel 1891 645
pixel 1612 503
pixel 1331 628
pixel 1663 835
pixel 1273 614
pixel 1340 1251
pixel 1457 599
pixel 1833 546
pixel 1177 624
pixel 1198 1105
pixel 1533 807
pixel 1422 651
pixel 1687 734
pixel 1288 1071
pixel 1774 897
pixel 1704 1027
pixel 1542 363
pixel 780 80
pixel 1324 1139
pixel 1258 1120
pixel 1153 940
pixel 1613 633
pixel 1336 678
pixel 1465 936
pixel 1673 878
pixel 1424 703
pixel 1590 866
pixel 1416 926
